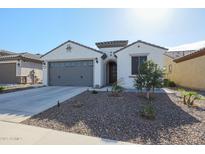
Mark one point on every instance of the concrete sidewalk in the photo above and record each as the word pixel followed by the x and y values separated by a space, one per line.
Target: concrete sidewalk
pixel 14 133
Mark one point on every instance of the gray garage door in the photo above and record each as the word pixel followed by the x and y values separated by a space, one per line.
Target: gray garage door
pixel 71 73
pixel 8 73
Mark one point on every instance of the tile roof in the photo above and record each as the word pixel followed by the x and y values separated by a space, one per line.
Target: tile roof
pixel 188 47
pixel 25 55
pixel 196 54
pixel 5 52
pixel 111 44
pixel 185 49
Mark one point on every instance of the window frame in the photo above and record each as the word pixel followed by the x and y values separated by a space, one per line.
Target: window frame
pixel 139 57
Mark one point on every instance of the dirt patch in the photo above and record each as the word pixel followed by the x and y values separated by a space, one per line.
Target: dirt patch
pixel 118 118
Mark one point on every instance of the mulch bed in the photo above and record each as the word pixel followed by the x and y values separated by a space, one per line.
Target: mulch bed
pixel 118 118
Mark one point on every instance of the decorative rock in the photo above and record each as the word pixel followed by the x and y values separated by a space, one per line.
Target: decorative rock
pixel 119 119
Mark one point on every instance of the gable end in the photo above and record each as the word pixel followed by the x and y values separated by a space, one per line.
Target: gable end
pixel 73 43
pixel 140 41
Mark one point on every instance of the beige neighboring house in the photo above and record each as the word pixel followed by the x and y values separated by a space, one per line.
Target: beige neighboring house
pixel 20 68
pixel 185 65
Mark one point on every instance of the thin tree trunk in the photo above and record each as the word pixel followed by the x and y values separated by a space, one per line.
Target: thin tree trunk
pixel 148 95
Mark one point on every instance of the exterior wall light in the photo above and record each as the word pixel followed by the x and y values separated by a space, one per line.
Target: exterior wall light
pixel 18 62
pixel 68 48
pixel 96 60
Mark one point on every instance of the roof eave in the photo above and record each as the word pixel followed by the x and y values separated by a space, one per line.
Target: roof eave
pixel 20 57
pixel 140 41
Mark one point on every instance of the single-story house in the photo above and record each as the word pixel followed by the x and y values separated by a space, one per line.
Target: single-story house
pixel 185 65
pixel 74 64
pixel 17 68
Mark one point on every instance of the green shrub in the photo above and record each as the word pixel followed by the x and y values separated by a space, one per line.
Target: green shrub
pixel 148 111
pixel 1 88
pixel 172 84
pixel 94 92
pixel 189 97
pixel 168 83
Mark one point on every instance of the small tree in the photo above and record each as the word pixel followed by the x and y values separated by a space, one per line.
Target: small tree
pixel 149 77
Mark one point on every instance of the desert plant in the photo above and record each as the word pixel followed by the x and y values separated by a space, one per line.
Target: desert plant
pixel 1 88
pixel 189 97
pixel 183 95
pixel 148 111
pixel 149 77
pixel 117 88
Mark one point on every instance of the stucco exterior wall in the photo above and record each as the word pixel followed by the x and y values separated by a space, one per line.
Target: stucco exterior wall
pixel 26 67
pixel 109 50
pixel 77 52
pixel 139 49
pixel 189 73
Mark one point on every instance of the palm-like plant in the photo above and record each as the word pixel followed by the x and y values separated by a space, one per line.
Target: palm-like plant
pixel 117 88
pixel 189 97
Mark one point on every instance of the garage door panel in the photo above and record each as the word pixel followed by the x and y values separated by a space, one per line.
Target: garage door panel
pixel 8 73
pixel 73 73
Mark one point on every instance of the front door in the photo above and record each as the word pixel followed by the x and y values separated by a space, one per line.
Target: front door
pixel 112 72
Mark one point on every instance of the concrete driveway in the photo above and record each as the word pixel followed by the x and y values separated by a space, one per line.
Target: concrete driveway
pixel 18 106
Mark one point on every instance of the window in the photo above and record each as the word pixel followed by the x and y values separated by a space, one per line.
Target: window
pixel 136 62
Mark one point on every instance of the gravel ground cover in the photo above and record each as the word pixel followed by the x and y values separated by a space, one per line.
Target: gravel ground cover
pixel 118 118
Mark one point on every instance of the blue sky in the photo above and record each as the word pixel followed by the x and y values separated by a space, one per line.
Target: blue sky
pixel 40 30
